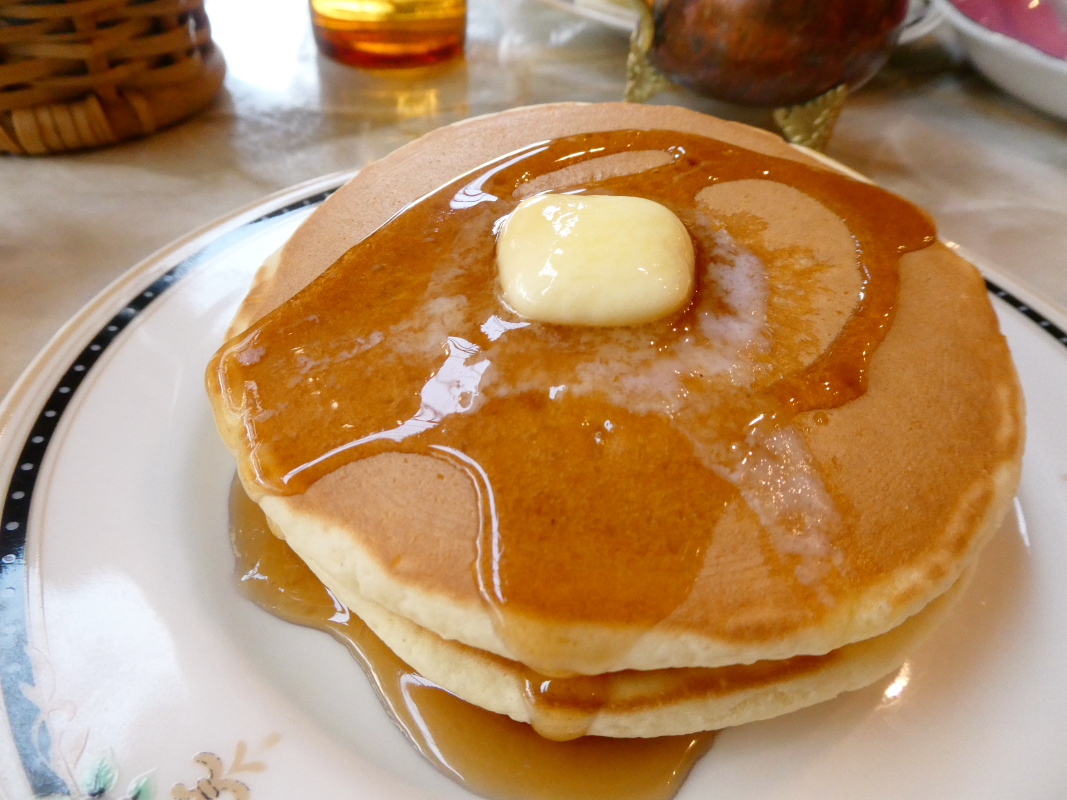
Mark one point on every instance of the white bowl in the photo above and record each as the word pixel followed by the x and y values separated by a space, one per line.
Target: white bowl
pixel 1017 68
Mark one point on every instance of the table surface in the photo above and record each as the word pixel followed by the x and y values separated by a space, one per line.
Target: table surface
pixel 992 171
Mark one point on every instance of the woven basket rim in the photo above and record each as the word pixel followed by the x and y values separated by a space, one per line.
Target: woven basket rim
pixel 83 73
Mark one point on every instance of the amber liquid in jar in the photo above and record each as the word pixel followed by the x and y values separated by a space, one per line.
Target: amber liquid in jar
pixel 389 33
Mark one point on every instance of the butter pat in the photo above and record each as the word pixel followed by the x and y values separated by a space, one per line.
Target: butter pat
pixel 594 260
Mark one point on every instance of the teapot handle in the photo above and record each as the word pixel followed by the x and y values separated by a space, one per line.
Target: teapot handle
pixel 643 80
pixel 923 17
pixel 808 124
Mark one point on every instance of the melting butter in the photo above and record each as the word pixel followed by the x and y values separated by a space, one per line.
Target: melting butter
pixel 594 260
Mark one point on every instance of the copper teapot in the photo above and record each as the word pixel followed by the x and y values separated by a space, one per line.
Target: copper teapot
pixel 766 53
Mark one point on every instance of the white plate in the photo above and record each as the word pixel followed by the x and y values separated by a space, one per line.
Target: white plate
pixel 125 650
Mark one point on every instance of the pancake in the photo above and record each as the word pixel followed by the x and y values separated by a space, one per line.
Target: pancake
pixel 625 533
pixel 648 703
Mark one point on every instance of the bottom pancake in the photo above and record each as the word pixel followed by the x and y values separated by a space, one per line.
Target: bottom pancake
pixel 646 703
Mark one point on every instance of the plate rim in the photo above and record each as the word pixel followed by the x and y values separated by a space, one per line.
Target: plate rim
pixel 38 385
pixel 37 401
pixel 173 253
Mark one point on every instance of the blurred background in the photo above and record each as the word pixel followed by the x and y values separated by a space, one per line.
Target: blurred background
pixel 991 169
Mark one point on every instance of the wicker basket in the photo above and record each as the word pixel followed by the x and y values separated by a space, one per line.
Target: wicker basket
pixel 86 73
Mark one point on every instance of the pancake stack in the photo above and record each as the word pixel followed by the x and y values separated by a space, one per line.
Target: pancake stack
pixel 746 508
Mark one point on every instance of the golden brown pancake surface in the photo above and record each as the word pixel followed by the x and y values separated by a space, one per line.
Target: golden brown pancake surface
pixel 625 704
pixel 582 505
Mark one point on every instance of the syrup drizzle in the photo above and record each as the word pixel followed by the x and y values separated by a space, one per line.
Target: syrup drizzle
pixel 484 752
pixel 392 348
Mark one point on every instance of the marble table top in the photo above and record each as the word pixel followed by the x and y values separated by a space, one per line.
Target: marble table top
pixel 992 171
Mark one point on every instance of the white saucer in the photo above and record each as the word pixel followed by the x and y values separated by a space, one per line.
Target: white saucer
pixel 1016 67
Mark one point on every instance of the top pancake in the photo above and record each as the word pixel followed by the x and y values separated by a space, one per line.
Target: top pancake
pixel 845 522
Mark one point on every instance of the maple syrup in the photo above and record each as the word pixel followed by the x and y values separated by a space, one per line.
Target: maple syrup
pixel 351 367
pixel 378 34
pixel 486 753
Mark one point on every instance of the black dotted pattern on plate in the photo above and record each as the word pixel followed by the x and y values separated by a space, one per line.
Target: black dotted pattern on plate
pixel 31 735
pixel 17 505
pixel 1055 331
pixel 20 489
